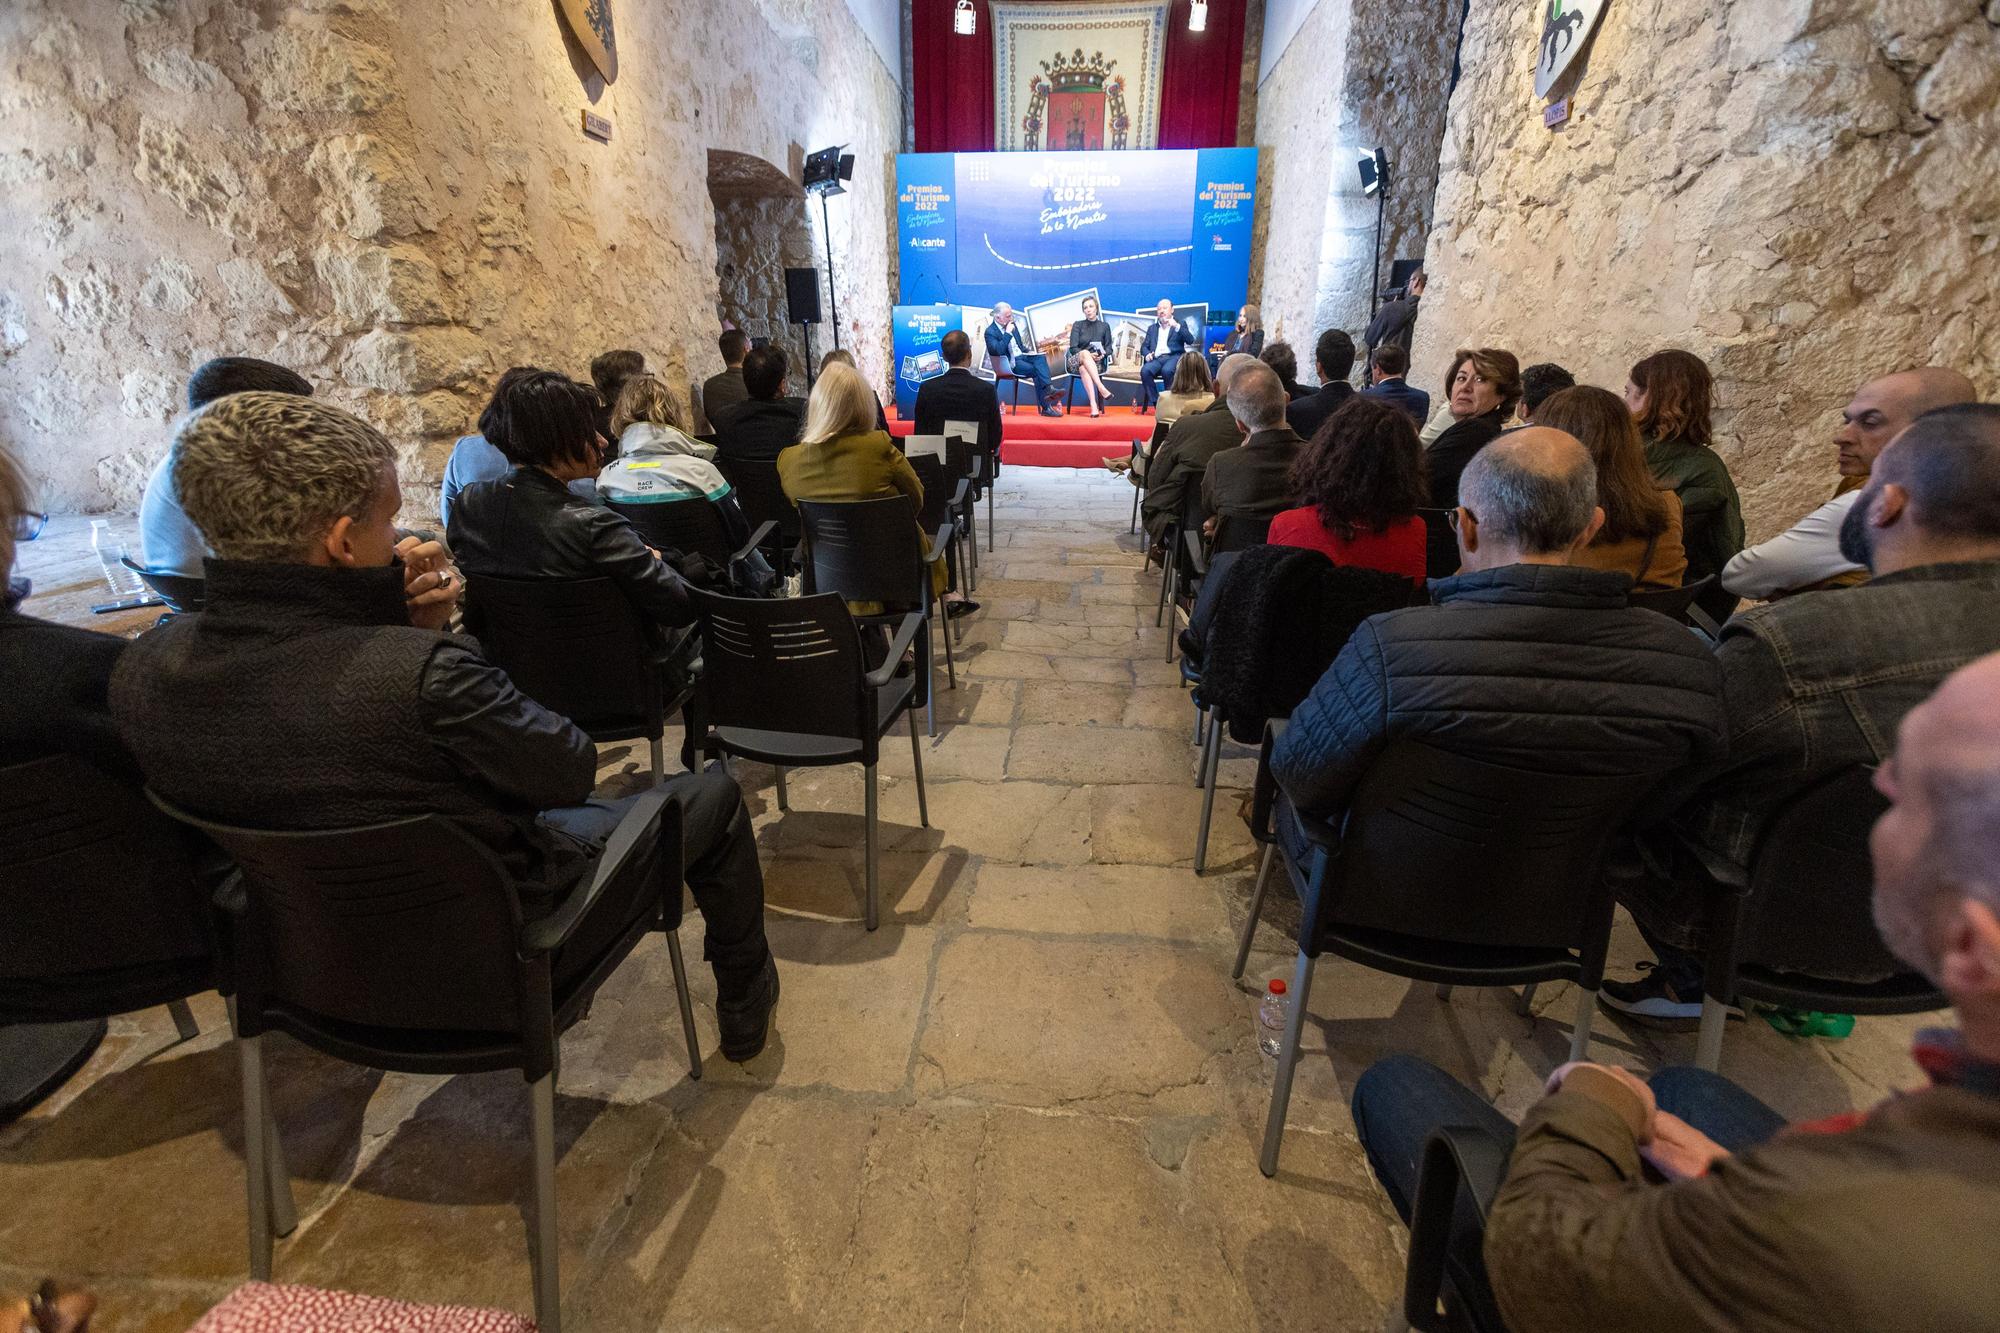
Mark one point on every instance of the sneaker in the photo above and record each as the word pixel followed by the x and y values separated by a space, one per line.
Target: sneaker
pixel 746 1022
pixel 1653 1001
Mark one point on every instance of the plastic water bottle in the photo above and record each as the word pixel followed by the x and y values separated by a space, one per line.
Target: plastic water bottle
pixel 1271 1017
pixel 119 577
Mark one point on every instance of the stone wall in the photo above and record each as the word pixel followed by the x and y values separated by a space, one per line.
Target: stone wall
pixel 1805 193
pixel 1346 81
pixel 756 240
pixel 395 200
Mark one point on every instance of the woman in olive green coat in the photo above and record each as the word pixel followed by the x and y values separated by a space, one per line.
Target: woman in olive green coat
pixel 1672 398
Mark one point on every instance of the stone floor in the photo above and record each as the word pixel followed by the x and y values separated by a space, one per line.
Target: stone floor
pixel 1031 1099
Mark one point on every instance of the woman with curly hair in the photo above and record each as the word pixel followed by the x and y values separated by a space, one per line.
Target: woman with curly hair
pixel 1361 480
pixel 1672 398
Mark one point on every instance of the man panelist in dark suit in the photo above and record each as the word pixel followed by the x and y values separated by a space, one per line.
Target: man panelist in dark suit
pixel 959 395
pixel 1007 339
pixel 1160 352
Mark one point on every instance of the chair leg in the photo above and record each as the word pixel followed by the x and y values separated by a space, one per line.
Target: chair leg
pixel 659 747
pixel 868 840
pixel 989 519
pixel 256 1154
pixel 548 1286
pixel 1256 908
pixel 1525 1006
pixel 1586 1012
pixel 1708 1042
pixel 917 759
pixel 687 1004
pixel 1288 1059
pixel 1166 582
pixel 183 1017
pixel 1200 732
pixel 1133 527
pixel 1212 759
pixel 930 683
pixel 1444 993
pixel 950 658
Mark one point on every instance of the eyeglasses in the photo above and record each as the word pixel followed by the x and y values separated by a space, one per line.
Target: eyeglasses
pixel 1452 517
pixel 27 527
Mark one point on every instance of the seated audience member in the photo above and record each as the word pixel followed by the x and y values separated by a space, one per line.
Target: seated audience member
pixel 1814 685
pixel 725 388
pixel 659 462
pixel 1862 1221
pixel 1641 536
pixel 312 694
pixel 1522 661
pixel 1182 458
pixel 168 542
pixel 609 373
pixel 841 456
pixel 474 457
pixel 766 423
pixel 1538 382
pixel 1192 390
pixel 1808 555
pixel 1672 397
pixel 530 524
pixel 1253 480
pixel 1485 385
pixel 1360 482
pixel 840 356
pixel 1333 359
pixel 1280 357
pixel 1391 365
pixel 56 675
pixel 959 395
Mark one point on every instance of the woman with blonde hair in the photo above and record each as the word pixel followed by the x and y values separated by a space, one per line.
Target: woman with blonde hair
pixel 841 456
pixel 658 462
pixel 1641 536
pixel 1089 349
pixel 1192 389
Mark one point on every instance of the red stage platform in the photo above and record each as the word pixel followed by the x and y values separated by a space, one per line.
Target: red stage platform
pixel 1076 440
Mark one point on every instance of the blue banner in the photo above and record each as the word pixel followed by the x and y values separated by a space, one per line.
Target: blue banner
pixel 918 331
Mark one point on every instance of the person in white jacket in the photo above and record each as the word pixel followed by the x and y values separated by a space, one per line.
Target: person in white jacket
pixel 1808 554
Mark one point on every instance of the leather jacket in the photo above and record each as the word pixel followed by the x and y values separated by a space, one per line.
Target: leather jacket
pixel 528 525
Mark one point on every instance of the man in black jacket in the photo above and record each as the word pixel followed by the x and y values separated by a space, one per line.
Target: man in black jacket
pixel 1523 661
pixel 1182 458
pixel 1253 480
pixel 307 696
pixel 1333 356
pixel 959 395
pixel 766 423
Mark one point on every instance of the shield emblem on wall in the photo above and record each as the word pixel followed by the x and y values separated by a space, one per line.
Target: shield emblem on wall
pixel 590 23
pixel 1076 119
pixel 1566 27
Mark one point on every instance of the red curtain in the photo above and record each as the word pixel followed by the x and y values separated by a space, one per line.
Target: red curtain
pixel 952 78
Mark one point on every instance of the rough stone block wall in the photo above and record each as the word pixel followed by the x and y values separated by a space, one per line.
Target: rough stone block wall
pixel 756 240
pixel 1805 193
pixel 396 200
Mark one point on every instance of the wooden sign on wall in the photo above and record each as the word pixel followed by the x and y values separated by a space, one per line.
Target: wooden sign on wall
pixel 590 22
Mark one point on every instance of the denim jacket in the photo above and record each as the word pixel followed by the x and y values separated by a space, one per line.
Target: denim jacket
pixel 1818 682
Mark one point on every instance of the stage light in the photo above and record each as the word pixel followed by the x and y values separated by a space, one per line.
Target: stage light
pixel 1198 16
pixel 1374 166
pixel 965 22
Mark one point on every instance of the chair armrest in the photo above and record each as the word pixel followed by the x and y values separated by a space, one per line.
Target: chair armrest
pixel 231 898
pixel 640 824
pixel 1704 622
pixel 757 538
pixel 1197 552
pixel 941 539
pixel 1456 1157
pixel 962 496
pixel 906 634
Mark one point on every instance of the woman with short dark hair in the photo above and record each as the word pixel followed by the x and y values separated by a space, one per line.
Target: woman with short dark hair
pixel 1484 385
pixel 1672 397
pixel 1360 482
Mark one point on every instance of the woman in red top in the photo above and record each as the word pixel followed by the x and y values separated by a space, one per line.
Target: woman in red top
pixel 1361 481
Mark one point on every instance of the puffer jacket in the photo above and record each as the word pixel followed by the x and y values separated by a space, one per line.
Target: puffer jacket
pixel 1530 666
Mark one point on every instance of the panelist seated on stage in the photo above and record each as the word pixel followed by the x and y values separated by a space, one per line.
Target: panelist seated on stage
pixel 1166 339
pixel 959 395
pixel 1010 349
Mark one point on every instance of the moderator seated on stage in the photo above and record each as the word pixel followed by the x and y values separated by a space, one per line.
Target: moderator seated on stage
pixel 1008 349
pixel 960 395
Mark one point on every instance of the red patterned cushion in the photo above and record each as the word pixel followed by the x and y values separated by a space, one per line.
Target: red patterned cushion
pixel 264 1307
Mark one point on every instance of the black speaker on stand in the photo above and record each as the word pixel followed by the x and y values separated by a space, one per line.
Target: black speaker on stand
pixel 802 309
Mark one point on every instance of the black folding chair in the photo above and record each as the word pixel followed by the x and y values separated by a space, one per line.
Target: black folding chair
pixel 942 503
pixel 1444 1282
pixel 1440 544
pixel 183 593
pixel 401 946
pixel 871 551
pixel 579 648
pixel 691 526
pixel 770 511
pixel 1802 934
pixel 965 465
pixel 1451 870
pixel 788 685
pixel 1675 604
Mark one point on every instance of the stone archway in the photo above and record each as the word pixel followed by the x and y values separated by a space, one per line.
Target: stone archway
pixel 761 229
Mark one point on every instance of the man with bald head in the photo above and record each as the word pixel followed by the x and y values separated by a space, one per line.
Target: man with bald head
pixel 1182 457
pixel 1808 555
pixel 1683 1202
pixel 1522 660
pixel 1814 685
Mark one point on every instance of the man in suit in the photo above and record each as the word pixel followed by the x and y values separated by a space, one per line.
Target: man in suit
pixel 1391 364
pixel 766 423
pixel 726 389
pixel 1333 357
pixel 1160 352
pixel 1183 456
pixel 1253 480
pixel 960 395
pixel 1007 339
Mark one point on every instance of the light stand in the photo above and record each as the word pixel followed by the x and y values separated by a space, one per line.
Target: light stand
pixel 823 174
pixel 826 233
pixel 1375 181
